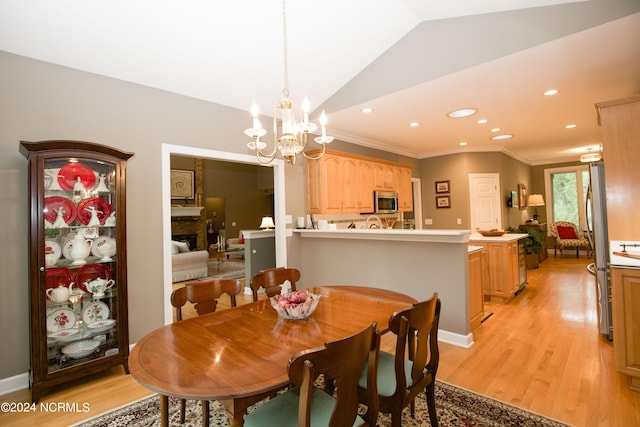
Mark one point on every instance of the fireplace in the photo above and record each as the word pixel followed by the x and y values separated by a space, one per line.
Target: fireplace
pixel 190 239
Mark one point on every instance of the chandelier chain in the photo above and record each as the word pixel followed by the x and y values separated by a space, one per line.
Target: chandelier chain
pixel 285 90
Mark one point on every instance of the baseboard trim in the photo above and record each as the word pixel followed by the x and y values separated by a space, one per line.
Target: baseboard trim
pixel 15 383
pixel 464 341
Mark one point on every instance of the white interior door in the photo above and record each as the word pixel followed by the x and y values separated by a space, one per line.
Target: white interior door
pixel 485 201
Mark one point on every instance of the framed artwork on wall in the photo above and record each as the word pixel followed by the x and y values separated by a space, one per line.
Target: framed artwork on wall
pixel 182 184
pixel 522 196
pixel 442 187
pixel 443 202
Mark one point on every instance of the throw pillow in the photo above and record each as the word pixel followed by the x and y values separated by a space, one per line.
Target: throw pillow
pixel 566 232
pixel 182 246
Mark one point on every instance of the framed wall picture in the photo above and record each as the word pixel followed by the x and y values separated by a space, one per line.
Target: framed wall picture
pixel 522 196
pixel 442 187
pixel 443 202
pixel 182 184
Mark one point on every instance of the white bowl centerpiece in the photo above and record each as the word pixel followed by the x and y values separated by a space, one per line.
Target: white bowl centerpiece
pixel 295 305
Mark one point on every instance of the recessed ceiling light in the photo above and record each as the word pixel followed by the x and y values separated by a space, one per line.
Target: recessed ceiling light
pixel 550 92
pixel 495 130
pixel 463 112
pixel 367 110
pixel 482 121
pixel 463 143
pixel 571 126
pixel 500 137
pixel 414 124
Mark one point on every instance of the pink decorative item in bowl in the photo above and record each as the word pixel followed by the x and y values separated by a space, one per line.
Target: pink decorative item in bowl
pixel 295 305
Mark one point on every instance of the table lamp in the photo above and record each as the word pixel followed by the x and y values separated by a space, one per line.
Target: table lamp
pixel 267 223
pixel 535 200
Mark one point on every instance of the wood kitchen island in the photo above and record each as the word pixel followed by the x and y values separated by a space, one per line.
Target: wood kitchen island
pixel 413 262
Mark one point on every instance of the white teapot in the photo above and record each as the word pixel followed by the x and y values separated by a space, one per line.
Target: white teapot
pixel 60 294
pixel 80 249
pixel 99 286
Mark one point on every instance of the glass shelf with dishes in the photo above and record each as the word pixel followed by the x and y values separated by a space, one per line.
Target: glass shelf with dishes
pixel 77 261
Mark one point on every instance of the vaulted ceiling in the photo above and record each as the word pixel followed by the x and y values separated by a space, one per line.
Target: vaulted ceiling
pixel 408 60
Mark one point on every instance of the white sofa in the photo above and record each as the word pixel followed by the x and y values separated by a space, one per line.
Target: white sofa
pixel 236 244
pixel 185 264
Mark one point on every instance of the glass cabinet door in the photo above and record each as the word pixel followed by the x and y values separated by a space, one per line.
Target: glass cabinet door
pixel 80 247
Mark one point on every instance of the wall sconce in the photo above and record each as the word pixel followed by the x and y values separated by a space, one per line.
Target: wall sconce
pixel 267 223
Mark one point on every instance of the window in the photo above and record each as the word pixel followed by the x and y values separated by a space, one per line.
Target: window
pixel 566 190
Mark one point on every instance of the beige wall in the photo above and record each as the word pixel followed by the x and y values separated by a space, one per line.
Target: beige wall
pixel 456 169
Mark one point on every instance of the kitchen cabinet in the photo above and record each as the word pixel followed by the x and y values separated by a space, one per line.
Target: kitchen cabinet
pixel 478 281
pixel 620 136
pixel 384 177
pixel 625 300
pixel 404 188
pixel 344 183
pixel 507 268
pixel 77 261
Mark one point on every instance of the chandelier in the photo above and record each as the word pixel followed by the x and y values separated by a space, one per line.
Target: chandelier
pixel 294 119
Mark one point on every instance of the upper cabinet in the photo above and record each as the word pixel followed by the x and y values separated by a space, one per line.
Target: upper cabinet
pixel 77 261
pixel 344 183
pixel 620 136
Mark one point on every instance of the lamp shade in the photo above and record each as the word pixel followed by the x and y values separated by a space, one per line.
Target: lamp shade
pixel 535 200
pixel 267 223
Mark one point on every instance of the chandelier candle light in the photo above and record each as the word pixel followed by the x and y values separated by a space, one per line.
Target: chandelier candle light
pixel 294 119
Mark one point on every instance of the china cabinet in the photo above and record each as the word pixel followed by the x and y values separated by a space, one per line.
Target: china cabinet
pixel 77 261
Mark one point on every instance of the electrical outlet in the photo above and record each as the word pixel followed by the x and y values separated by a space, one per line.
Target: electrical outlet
pixel 459 221
pixel 288 219
pixel 428 221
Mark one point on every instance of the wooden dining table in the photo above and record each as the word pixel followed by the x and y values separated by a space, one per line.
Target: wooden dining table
pixel 239 356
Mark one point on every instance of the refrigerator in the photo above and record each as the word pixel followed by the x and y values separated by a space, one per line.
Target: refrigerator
pixel 597 232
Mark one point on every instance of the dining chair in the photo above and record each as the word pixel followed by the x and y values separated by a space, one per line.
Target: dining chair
pixel 307 404
pixel 272 279
pixel 412 368
pixel 204 296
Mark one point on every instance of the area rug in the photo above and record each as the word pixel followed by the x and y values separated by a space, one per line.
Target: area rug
pixel 455 407
pixel 229 269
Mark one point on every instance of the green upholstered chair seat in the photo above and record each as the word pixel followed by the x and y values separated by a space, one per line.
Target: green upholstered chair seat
pixel 387 374
pixel 282 411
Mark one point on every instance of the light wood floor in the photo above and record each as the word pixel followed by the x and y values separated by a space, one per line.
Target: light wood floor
pixel 541 352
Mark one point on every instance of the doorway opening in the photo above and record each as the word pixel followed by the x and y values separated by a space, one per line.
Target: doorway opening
pixel 278 206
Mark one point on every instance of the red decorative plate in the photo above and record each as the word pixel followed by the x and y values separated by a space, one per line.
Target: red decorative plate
pixel 53 204
pixel 69 174
pixel 59 276
pixel 99 204
pixel 91 272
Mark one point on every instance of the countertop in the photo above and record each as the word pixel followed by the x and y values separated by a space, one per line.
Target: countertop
pixel 623 261
pixel 432 236
pixel 472 248
pixel 506 237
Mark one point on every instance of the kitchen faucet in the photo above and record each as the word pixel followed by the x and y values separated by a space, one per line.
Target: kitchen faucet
pixel 366 224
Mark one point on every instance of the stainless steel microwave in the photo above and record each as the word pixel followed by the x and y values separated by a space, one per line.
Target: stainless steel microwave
pixel 385 201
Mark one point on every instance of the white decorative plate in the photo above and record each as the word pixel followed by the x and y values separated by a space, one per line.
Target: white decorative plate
pixel 65 334
pixel 60 319
pixel 80 349
pixel 95 311
pixel 51 247
pixel 101 325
